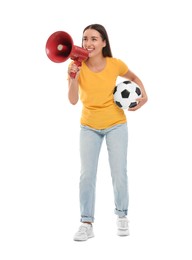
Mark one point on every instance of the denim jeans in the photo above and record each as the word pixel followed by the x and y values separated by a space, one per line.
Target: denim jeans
pixel 90 144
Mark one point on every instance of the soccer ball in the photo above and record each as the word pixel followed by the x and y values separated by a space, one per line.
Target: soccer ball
pixel 126 93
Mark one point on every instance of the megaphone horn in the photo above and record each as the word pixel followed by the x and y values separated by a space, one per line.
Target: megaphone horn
pixel 60 47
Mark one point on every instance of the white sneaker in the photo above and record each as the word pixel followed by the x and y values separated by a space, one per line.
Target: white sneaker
pixel 85 231
pixel 123 227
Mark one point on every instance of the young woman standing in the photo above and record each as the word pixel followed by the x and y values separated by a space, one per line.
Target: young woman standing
pixel 101 119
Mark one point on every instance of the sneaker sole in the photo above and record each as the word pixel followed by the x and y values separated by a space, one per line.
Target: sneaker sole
pixel 81 239
pixel 123 233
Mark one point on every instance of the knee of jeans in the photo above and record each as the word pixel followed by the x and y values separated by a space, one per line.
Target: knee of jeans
pixel 87 178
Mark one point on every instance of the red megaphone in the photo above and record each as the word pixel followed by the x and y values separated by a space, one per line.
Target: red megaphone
pixel 60 47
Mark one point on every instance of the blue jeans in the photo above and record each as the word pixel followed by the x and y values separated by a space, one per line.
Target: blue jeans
pixel 90 145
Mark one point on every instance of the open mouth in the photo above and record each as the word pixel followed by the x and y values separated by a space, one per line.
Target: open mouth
pixel 90 50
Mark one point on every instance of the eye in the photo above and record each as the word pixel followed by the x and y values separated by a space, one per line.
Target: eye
pixel 94 38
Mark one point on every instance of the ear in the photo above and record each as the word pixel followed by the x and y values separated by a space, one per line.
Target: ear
pixel 104 43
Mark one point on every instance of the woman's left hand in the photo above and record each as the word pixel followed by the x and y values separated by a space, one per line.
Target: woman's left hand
pixel 141 101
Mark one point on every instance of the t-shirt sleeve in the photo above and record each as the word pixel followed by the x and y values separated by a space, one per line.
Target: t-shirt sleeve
pixel 123 68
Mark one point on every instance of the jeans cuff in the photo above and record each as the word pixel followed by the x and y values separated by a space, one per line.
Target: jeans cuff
pixel 87 219
pixel 121 213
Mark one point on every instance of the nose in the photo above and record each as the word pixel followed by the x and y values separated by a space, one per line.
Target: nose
pixel 88 43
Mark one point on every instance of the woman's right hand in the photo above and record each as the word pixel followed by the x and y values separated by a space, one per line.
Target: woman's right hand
pixel 73 70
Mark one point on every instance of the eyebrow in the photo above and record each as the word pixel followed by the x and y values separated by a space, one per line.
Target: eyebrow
pixel 96 37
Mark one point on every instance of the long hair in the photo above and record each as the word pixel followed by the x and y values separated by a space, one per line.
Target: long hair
pixel 101 29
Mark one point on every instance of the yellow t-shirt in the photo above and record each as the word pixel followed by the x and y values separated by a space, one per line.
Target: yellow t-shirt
pixel 96 93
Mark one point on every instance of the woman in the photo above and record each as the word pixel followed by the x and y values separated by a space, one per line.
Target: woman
pixel 101 118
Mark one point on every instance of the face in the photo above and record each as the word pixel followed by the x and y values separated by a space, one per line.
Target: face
pixel 93 42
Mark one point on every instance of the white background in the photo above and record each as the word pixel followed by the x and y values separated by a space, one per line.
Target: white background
pixel 39 133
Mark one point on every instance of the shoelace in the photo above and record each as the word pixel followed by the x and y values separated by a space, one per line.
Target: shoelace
pixel 82 229
pixel 123 224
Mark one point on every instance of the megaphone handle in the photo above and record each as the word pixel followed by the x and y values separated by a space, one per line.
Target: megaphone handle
pixel 73 74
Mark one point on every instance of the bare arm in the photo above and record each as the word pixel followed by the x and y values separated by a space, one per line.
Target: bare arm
pixel 73 86
pixel 131 76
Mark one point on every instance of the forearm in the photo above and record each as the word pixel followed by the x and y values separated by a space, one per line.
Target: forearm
pixel 73 92
pixel 140 84
pixel 131 76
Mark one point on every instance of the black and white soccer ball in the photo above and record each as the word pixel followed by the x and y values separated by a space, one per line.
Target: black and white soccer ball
pixel 125 94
